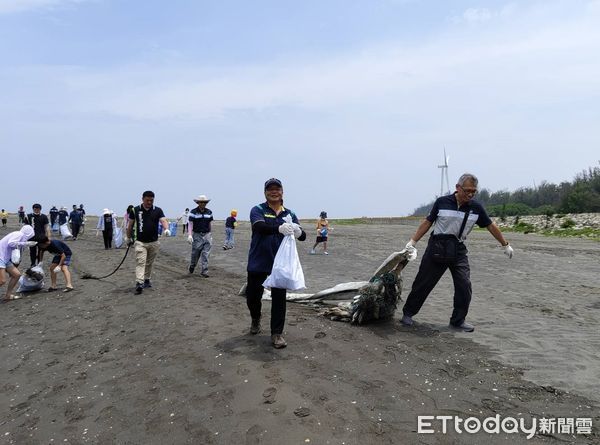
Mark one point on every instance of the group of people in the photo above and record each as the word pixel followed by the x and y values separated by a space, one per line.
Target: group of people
pixel 34 233
pixel 452 218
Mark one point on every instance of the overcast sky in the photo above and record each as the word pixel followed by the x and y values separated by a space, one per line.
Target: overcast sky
pixel 349 103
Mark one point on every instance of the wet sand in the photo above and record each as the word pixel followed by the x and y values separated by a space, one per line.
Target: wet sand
pixel 176 365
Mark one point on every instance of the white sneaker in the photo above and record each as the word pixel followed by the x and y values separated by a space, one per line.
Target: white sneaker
pixel 312 252
pixel 325 253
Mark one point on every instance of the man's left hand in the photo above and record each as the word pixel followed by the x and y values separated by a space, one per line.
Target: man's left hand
pixel 166 232
pixel 297 230
pixel 508 251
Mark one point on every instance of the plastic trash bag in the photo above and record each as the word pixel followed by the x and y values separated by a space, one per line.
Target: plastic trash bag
pixel 31 280
pixel 65 232
pixel 15 256
pixel 118 237
pixel 287 271
pixel 173 228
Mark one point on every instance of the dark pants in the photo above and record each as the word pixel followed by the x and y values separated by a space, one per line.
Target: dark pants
pixel 3 222
pixel 108 236
pixel 254 291
pixel 33 253
pixel 75 228
pixel 428 276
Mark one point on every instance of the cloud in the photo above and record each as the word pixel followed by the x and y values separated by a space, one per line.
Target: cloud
pixel 521 62
pixel 15 6
pixel 477 15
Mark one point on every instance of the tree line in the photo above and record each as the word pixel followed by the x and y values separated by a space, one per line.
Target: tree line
pixel 581 195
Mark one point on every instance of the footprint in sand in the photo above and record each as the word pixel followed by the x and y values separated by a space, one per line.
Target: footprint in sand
pixel 254 434
pixel 269 395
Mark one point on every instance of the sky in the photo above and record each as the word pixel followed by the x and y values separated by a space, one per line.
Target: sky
pixel 349 103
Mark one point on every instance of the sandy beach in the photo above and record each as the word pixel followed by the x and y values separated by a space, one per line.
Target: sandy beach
pixel 175 365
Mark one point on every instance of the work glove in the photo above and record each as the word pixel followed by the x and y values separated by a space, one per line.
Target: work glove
pixel 130 242
pixel 297 230
pixel 97 232
pixel 411 249
pixel 286 229
pixel 57 269
pixel 30 243
pixel 190 239
pixel 166 232
pixel 508 251
pixel 15 257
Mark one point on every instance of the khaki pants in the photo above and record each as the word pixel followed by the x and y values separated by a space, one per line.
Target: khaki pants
pixel 145 253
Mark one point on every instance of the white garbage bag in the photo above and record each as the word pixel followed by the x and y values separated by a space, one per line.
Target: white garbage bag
pixel 65 232
pixel 15 256
pixel 31 280
pixel 287 271
pixel 118 237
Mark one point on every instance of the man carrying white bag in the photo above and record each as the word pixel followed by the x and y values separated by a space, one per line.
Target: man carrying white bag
pixel 273 254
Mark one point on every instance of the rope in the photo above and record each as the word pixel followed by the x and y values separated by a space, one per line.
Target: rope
pixel 87 276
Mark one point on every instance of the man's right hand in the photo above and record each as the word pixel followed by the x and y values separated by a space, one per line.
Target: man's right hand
pixel 411 249
pixel 190 239
pixel 130 242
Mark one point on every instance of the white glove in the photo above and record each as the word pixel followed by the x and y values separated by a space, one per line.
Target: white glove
pixel 508 251
pixel 411 249
pixel 190 239
pixel 286 229
pixel 166 232
pixel 31 243
pixel 412 253
pixel 15 257
pixel 297 230
pixel 57 269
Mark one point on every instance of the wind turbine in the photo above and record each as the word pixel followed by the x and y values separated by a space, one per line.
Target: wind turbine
pixel 444 168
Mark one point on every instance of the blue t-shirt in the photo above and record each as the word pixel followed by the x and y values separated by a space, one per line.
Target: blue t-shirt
pixel 263 248
pixel 448 217
pixel 75 217
pixel 57 247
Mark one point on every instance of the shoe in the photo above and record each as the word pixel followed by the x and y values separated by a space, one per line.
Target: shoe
pixel 67 289
pixel 224 247
pixel 326 253
pixel 278 341
pixel 464 326
pixel 51 289
pixel 205 274
pixel 312 252
pixel 255 326
pixel 139 287
pixel 147 283
pixel 407 321
pixel 191 269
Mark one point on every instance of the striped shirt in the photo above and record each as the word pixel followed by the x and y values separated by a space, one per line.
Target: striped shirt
pixel 447 216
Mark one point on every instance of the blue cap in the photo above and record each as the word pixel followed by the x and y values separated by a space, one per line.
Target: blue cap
pixel 273 181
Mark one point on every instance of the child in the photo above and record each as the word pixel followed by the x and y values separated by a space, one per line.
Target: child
pixel 61 261
pixel 322 231
pixel 230 224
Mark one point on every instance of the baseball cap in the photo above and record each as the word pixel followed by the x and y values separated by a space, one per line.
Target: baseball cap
pixel 273 181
